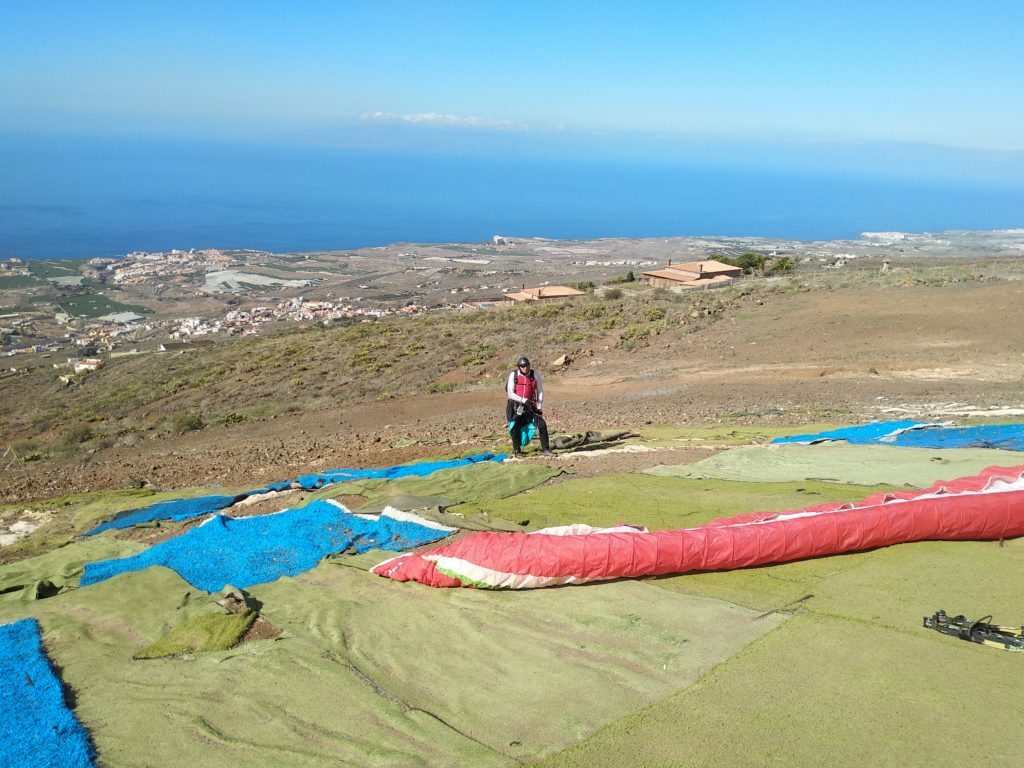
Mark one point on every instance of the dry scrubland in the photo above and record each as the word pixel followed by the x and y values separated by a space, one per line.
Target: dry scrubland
pixel 443 367
pixel 678 671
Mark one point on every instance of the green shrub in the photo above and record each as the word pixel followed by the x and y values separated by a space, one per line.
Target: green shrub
pixel 781 266
pixel 613 293
pixel 189 422
pixel 637 331
pixel 366 359
pixel 28 450
pixel 477 354
pixel 749 262
pixel 627 278
pixel 76 435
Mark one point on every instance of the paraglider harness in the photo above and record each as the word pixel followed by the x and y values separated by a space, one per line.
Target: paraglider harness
pixel 529 430
pixel 517 411
pixel 980 631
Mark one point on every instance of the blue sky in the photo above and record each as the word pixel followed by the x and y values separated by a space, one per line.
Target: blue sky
pixel 520 76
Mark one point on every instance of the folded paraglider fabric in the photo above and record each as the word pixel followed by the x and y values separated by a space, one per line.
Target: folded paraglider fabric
pixel 989 505
pixel 36 727
pixel 254 550
pixel 528 432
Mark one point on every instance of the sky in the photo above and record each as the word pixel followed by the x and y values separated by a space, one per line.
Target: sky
pixel 614 78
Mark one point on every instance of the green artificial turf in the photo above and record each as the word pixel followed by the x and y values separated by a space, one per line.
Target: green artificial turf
pixel 723 434
pixel 376 673
pixel 844 463
pixel 524 673
pixel 488 480
pixel 660 503
pixel 79 513
pixel 290 702
pixel 705 669
pixel 827 691
pixel 207 632
pixel 45 575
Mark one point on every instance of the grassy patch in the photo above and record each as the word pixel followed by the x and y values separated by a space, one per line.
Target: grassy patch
pixel 725 434
pixel 55 267
pixel 821 691
pixel 19 281
pixel 206 632
pixel 648 500
pixel 95 305
pixel 76 514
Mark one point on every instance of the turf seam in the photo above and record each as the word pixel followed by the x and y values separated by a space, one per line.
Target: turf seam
pixel 406 707
pixel 866 623
pixel 366 679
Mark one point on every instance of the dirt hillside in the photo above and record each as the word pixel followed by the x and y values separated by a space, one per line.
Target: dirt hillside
pixel 789 357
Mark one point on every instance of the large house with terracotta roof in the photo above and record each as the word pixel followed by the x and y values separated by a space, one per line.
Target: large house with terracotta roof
pixel 693 275
pixel 544 293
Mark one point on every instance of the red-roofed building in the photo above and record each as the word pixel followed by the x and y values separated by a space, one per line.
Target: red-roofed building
pixel 544 293
pixel 693 274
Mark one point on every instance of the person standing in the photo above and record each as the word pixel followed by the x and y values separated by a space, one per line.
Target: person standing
pixel 525 405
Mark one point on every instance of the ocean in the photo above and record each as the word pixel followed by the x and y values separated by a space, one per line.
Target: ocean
pixel 73 198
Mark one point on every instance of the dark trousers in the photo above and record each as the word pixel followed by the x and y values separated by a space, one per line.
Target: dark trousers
pixel 519 423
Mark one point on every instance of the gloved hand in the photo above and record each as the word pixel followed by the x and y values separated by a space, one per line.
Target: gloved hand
pixel 538 411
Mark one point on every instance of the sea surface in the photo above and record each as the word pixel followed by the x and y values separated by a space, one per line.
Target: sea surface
pixel 65 198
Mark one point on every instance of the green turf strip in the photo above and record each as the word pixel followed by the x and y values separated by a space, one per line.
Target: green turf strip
pixel 45 575
pixel 826 691
pixel 374 672
pixel 844 463
pixel 898 585
pixel 653 672
pixel 289 702
pixel 75 514
pixel 488 480
pixel 207 632
pixel 524 673
pixel 855 679
pixel 660 503
pixel 724 434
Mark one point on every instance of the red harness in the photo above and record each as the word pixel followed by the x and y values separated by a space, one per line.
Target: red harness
pixel 526 386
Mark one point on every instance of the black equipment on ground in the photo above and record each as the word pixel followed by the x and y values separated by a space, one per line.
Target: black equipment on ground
pixel 980 631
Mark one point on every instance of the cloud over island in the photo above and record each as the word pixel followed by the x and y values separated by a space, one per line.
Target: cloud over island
pixel 437 119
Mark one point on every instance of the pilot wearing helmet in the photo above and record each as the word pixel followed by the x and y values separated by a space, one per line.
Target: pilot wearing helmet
pixel 525 406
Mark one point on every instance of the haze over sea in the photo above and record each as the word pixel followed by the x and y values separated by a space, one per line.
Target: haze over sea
pixel 85 197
